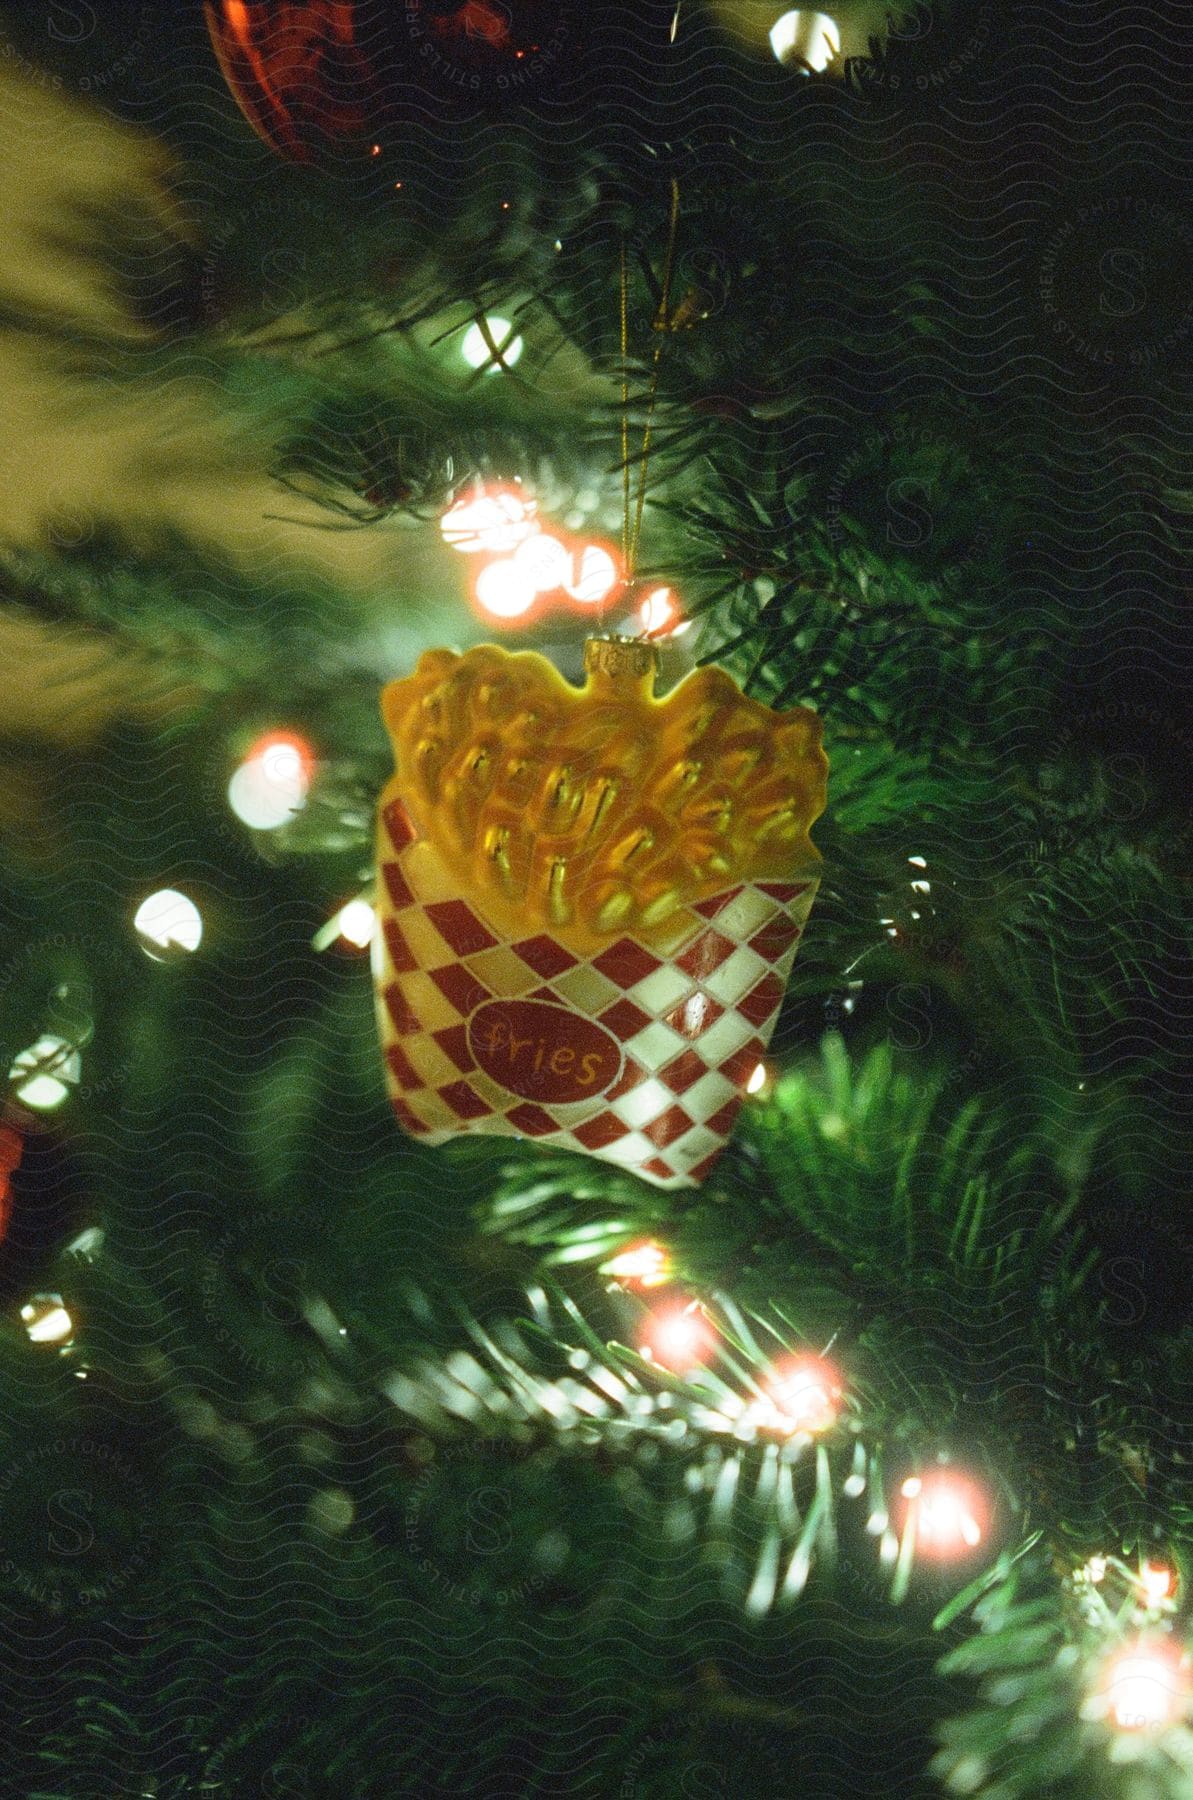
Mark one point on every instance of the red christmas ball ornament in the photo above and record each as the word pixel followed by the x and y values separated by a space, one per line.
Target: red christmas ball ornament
pixel 309 73
pixel 294 68
pixel 12 1148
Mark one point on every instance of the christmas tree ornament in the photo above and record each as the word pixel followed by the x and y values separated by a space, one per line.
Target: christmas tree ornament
pixel 308 74
pixel 12 1148
pixel 589 900
pixel 295 70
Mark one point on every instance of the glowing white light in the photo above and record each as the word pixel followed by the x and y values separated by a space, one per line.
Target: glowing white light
pixel 919 861
pixel 659 615
pixel 802 1394
pixel 1156 1582
pixel 1143 1688
pixel 646 1264
pixel 169 921
pixel 494 519
pixel 679 1338
pixel 807 39
pixel 283 762
pixel 504 590
pixel 596 577
pixel 46 1072
pixel 658 610
pixel 543 562
pixel 46 1320
pixel 271 785
pixel 757 1080
pixel 946 1510
pixel 357 923
pixel 475 348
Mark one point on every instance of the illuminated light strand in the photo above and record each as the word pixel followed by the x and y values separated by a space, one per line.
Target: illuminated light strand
pixel 1143 1686
pixel 44 1074
pixel 46 1320
pixel 645 1264
pixel 503 591
pixel 492 519
pixel 801 1393
pixel 168 921
pixel 595 576
pixel 491 344
pixel 1157 1583
pixel 509 587
pixel 945 1513
pixel 808 41
pixel 660 617
pixel 678 1337
pixel 273 781
pixel 543 563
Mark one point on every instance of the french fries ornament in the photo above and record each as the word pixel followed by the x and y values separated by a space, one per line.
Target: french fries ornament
pixel 589 900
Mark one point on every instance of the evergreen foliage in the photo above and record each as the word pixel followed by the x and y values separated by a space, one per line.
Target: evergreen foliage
pixel 354 1481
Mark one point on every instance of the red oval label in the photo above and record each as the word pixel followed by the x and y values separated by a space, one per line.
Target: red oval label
pixel 543 1052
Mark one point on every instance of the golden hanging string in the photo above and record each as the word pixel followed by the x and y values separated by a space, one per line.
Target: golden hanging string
pixel 625 413
pixel 631 529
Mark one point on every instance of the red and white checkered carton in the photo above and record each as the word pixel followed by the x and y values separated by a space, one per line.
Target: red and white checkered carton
pixel 635 1047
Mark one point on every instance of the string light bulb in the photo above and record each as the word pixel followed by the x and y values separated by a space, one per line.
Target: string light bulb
pixel 595 576
pixel 273 781
pixel 801 1394
pixel 46 1320
pixel 354 924
pixel 168 921
pixel 678 1337
pixel 503 591
pixel 543 562
pixel 357 922
pixel 645 1264
pixel 477 347
pixel 1141 1687
pixel 660 616
pixel 1156 1582
pixel 946 1512
pixel 808 41
pixel 45 1073
pixel 491 519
